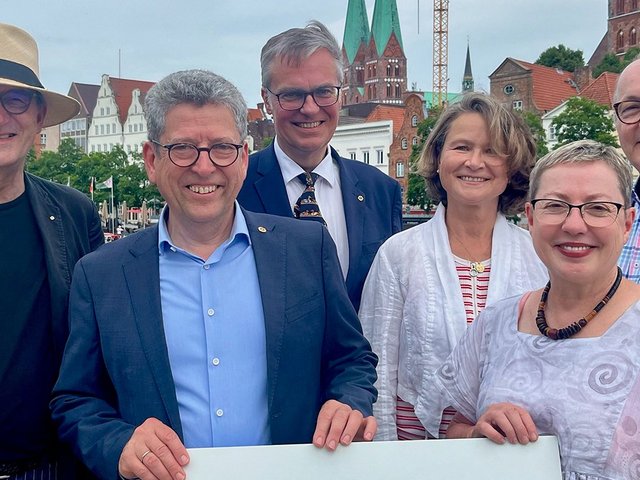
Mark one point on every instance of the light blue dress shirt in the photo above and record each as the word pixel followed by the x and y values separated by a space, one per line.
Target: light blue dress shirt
pixel 215 334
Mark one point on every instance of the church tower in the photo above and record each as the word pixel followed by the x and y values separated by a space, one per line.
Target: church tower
pixel 354 45
pixel 467 78
pixel 383 65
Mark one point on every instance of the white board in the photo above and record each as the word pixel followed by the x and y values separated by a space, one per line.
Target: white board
pixel 472 459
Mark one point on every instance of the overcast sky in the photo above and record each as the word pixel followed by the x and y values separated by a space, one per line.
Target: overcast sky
pixel 79 39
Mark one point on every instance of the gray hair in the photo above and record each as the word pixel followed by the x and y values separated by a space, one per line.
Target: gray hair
pixel 195 87
pixel 585 151
pixel 297 44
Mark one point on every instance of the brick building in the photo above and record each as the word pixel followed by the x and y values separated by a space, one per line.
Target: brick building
pixel 623 28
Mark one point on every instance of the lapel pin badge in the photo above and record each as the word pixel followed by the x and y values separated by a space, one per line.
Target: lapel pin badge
pixel 52 218
pixel 361 198
pixel 262 229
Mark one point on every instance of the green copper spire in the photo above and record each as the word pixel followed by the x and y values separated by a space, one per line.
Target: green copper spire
pixel 356 28
pixel 385 22
pixel 467 78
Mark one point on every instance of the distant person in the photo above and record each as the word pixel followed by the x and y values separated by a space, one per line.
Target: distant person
pixel 44 229
pixel 429 282
pixel 299 174
pixel 217 327
pixel 562 360
pixel 627 107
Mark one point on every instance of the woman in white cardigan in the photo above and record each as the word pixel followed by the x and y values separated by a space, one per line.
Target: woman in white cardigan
pixel 429 282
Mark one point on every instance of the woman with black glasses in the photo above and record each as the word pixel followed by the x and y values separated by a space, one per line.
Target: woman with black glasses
pixel 563 360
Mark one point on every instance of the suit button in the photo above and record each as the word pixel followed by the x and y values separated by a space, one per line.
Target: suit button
pixel 219 412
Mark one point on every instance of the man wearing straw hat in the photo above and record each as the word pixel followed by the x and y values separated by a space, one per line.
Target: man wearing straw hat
pixel 44 229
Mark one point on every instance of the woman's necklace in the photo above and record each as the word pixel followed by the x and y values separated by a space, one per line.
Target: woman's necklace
pixel 575 327
pixel 476 267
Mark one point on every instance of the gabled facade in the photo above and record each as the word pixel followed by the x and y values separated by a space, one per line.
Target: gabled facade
pixel 78 127
pixel 531 87
pixel 118 117
pixel 375 64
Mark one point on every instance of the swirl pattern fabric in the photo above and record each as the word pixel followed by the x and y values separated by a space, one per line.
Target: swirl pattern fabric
pixel 307 208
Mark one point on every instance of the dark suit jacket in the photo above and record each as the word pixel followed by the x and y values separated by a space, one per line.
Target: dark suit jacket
pixel 372 207
pixel 70 228
pixel 116 370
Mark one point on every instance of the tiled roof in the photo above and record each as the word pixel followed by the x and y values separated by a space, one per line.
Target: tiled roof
pixel 385 22
pixel 356 28
pixel 601 90
pixel 122 89
pixel 87 95
pixel 551 86
pixel 254 114
pixel 386 112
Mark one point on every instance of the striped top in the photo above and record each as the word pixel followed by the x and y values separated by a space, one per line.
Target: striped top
pixel 474 286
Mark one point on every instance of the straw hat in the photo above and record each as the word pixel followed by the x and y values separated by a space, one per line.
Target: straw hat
pixel 19 68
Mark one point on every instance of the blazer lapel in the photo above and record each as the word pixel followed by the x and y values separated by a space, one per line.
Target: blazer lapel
pixel 354 200
pixel 270 185
pixel 269 248
pixel 142 275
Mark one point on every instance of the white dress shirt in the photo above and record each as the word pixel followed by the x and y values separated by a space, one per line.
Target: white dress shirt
pixel 328 196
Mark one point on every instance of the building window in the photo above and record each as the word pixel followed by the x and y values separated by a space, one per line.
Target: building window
pixel 414 121
pixel 99 148
pixel 404 144
pixel 113 128
pixel 96 129
pixel 130 128
pixel 620 40
pixel 620 7
pixel 508 89
pixel 552 133
pixel 398 90
pixel 365 157
pixel 374 69
pixel 399 169
pixel 101 129
pixel 397 70
pixel 388 89
pixel 380 157
pixel 108 110
pixel 517 104
pixel 102 111
pixel 108 129
pixel 43 138
pixel 352 155
pixel 632 36
pixel 634 4
pixel 414 141
pixel 388 70
pixel 135 127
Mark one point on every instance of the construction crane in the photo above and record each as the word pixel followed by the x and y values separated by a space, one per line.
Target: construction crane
pixel 440 51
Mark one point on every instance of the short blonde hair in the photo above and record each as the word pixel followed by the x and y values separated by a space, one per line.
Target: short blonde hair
pixel 510 136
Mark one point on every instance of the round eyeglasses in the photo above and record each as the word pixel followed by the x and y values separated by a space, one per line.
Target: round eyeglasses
pixel 186 154
pixel 595 214
pixel 294 99
pixel 628 112
pixel 17 101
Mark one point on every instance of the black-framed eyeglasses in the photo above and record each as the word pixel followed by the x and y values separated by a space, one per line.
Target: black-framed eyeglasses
pixel 186 154
pixel 628 112
pixel 550 211
pixel 294 99
pixel 17 100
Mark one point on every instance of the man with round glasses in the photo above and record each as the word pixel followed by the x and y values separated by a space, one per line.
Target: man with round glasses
pixel 44 229
pixel 627 108
pixel 361 207
pixel 219 327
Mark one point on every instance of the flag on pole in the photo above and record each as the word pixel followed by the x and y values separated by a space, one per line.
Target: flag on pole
pixel 91 185
pixel 108 183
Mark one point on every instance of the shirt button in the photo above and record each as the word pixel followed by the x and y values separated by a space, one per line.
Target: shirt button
pixel 216 361
pixel 206 267
pixel 210 312
pixel 219 412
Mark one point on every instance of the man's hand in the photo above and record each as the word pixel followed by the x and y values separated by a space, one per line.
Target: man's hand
pixel 506 420
pixel 154 451
pixel 339 423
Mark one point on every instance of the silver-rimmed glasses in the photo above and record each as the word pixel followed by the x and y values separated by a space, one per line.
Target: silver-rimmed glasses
pixel 294 99
pixel 186 154
pixel 595 214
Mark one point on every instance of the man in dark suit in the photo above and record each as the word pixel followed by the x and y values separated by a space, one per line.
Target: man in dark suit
pixel 219 327
pixel 361 207
pixel 44 229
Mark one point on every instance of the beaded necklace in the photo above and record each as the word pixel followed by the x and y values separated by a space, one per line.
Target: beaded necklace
pixel 575 327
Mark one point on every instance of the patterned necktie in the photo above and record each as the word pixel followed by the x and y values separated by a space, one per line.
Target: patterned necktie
pixel 307 207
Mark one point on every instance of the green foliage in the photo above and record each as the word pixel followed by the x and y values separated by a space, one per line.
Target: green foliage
pixel 584 119
pixel 71 165
pixel 416 191
pixel 612 63
pixel 535 125
pixel 561 57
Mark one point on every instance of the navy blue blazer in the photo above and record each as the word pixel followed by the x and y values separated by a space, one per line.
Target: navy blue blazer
pixel 116 370
pixel 372 207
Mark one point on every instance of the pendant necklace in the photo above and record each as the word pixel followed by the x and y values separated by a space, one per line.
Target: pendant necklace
pixel 476 267
pixel 575 327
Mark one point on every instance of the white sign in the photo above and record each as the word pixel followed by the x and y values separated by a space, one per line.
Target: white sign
pixel 468 459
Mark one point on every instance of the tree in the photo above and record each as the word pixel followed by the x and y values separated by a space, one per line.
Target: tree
pixel 416 188
pixel 584 119
pixel 561 57
pixel 535 125
pixel 609 63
